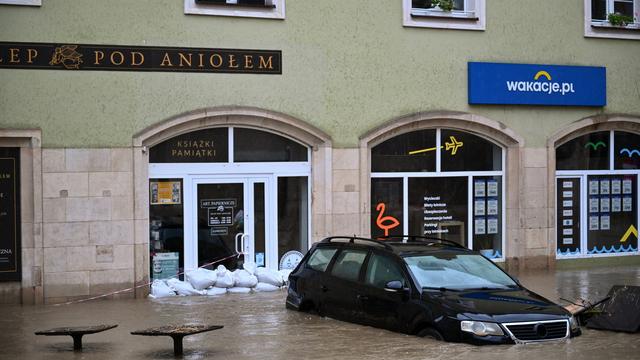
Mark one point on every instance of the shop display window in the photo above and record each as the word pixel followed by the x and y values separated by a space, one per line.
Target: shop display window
pixel 440 183
pixel 411 152
pixel 259 146
pixel 293 217
pixel 166 228
pixel 596 207
pixel 587 152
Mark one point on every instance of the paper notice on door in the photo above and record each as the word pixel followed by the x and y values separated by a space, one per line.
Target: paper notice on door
pixel 567 213
pixel 567 231
pixel 604 187
pixel 492 225
pixel 594 205
pixel 594 223
pixel 567 194
pixel 567 203
pixel 492 188
pixel 616 204
pixel 605 222
pixel 567 241
pixel 567 184
pixel 627 203
pixel 627 186
pixel 604 205
pixel 492 207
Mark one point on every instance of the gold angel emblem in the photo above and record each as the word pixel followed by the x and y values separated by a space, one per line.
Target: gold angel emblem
pixel 67 56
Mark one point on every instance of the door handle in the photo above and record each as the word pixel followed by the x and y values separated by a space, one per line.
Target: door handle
pixel 242 238
pixel 236 241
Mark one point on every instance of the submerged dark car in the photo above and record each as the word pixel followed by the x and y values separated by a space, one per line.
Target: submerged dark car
pixel 426 287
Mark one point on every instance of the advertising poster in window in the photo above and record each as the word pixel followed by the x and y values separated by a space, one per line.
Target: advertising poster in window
pixel 165 192
pixel 568 218
pixel 613 228
pixel 487 232
pixel 10 242
pixel 438 207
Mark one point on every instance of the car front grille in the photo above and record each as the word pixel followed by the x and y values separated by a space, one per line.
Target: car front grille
pixel 538 330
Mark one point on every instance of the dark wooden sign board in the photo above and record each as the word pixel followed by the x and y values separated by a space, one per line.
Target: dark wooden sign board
pixel 10 244
pixel 47 56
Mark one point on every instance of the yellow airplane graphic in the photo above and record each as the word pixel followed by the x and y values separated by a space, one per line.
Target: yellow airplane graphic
pixel 452 146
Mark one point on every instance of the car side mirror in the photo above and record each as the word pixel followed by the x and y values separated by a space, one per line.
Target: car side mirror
pixel 394 286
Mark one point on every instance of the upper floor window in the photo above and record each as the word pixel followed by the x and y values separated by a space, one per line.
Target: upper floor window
pixel 22 2
pixel 612 18
pixel 446 14
pixel 273 9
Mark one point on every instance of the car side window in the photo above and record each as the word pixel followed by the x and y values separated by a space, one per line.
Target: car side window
pixel 348 264
pixel 381 270
pixel 320 259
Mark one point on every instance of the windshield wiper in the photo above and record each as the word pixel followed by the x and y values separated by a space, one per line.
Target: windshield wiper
pixel 489 288
pixel 441 288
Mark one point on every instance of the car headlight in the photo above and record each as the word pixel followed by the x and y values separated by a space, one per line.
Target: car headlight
pixel 481 328
pixel 573 322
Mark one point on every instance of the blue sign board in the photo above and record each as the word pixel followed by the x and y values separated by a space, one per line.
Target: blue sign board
pixel 529 84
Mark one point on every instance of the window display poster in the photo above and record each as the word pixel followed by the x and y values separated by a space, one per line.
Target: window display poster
pixel 627 186
pixel 479 207
pixel 492 188
pixel 479 188
pixel 492 225
pixel 616 186
pixel 594 187
pixel 492 207
pixel 165 265
pixel 604 205
pixel 594 223
pixel 165 192
pixel 479 225
pixel 568 220
pixel 10 241
pixel 604 187
pixel 616 204
pixel 594 205
pixel 627 203
pixel 605 222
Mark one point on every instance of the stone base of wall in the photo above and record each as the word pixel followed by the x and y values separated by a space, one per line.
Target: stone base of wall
pixel 10 293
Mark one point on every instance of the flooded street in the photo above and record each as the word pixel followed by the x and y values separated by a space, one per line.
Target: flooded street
pixel 259 326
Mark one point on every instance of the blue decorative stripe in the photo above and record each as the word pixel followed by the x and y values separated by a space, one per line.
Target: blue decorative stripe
pixel 568 252
pixel 612 249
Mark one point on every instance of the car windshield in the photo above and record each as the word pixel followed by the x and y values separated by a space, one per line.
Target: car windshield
pixel 457 272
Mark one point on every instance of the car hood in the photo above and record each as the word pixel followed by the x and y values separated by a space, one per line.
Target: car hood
pixel 512 305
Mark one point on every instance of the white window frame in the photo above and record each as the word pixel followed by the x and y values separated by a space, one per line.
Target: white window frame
pixel 472 19
pixel 278 12
pixel 602 29
pixel 21 2
pixel 583 175
pixel 469 175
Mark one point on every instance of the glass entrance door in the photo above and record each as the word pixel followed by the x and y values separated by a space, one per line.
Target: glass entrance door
pixel 229 219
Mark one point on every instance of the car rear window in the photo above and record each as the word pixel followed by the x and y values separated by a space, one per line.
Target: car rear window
pixel 320 259
pixel 348 264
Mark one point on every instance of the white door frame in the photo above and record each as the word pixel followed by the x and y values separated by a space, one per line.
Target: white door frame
pixel 191 210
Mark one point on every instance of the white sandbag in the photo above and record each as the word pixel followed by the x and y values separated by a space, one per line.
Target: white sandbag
pixel 250 268
pixel 264 287
pixel 201 279
pixel 159 289
pixel 214 291
pixel 184 288
pixel 225 278
pixel 242 278
pixel 285 274
pixel 239 290
pixel 269 276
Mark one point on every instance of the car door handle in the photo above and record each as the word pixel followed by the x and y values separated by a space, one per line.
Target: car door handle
pixel 324 288
pixel 362 297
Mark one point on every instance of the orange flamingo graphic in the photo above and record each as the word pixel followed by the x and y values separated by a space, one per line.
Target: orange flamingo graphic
pixel 391 222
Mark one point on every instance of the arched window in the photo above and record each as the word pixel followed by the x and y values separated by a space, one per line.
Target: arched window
pixel 597 194
pixel 440 183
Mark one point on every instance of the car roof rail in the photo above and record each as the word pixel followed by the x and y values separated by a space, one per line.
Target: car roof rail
pixel 424 239
pixel 353 239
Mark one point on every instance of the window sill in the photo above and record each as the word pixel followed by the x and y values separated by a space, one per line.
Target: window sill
pixel 254 6
pixel 438 19
pixel 275 11
pixel 439 14
pixel 21 2
pixel 602 29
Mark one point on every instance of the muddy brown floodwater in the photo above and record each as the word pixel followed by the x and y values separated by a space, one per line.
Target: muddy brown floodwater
pixel 258 326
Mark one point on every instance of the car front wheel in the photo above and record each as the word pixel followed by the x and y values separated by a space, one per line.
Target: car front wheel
pixel 431 333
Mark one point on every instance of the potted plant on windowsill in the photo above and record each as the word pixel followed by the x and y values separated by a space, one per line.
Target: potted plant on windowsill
pixel 617 19
pixel 443 5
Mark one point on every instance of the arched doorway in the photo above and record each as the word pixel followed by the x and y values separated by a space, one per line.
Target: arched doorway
pixel 236 180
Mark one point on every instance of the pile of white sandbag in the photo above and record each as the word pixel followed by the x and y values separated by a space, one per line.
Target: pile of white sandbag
pixel 221 281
